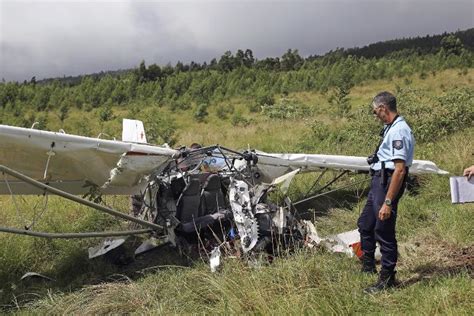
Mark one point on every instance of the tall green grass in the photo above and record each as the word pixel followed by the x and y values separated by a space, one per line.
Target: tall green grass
pixel 435 236
pixel 306 283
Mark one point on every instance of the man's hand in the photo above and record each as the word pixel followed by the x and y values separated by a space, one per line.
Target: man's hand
pixel 393 189
pixel 469 172
pixel 385 212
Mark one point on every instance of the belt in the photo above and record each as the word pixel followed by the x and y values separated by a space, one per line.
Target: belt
pixel 378 173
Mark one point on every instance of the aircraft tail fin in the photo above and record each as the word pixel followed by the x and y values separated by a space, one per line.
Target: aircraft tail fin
pixel 133 131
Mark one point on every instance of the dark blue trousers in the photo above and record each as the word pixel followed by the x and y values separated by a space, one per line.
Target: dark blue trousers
pixel 373 230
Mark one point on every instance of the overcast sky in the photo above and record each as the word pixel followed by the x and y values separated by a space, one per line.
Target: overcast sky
pixel 55 38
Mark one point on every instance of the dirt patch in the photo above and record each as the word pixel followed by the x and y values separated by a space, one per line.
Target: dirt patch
pixel 434 258
pixel 449 255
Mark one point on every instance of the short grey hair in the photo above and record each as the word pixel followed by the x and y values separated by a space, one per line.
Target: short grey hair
pixel 387 99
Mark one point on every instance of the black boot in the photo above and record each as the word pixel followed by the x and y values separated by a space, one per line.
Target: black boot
pixel 368 264
pixel 386 280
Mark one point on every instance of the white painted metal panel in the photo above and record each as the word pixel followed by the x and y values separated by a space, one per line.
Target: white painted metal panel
pixel 75 160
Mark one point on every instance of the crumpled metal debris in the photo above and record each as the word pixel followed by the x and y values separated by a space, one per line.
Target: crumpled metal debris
pixel 215 259
pixel 346 242
pixel 343 242
pixel 34 275
pixel 285 180
pixel 105 246
pixel 147 245
pixel 243 216
pixel 312 237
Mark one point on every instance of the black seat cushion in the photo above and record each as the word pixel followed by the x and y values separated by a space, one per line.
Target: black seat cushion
pixel 187 207
pixel 212 196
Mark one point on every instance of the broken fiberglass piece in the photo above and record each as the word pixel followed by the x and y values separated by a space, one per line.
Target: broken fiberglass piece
pixel 285 180
pixel 147 245
pixel 215 259
pixel 34 275
pixel 312 237
pixel 347 242
pixel 343 242
pixel 133 168
pixel 105 246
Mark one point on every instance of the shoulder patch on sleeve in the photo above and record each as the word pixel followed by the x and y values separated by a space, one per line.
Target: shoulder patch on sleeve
pixel 397 144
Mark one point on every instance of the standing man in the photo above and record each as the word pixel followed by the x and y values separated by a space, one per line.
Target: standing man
pixel 389 169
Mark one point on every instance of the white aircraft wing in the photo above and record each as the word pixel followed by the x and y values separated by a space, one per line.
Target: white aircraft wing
pixel 71 162
pixel 273 165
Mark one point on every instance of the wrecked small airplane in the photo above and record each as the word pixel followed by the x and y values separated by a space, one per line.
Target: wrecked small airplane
pixel 211 197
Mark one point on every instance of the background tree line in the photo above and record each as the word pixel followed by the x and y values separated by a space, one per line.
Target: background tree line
pixel 183 86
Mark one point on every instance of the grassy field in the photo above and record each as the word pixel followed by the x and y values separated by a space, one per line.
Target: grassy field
pixel 436 238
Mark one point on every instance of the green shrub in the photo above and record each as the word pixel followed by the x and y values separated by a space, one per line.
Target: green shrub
pixel 222 111
pixel 265 99
pixel 254 107
pixel 432 117
pixel 286 108
pixel 239 120
pixel 201 112
pixel 159 127
pixel 105 113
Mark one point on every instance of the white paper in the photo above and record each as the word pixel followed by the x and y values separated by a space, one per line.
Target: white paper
pixel 462 190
